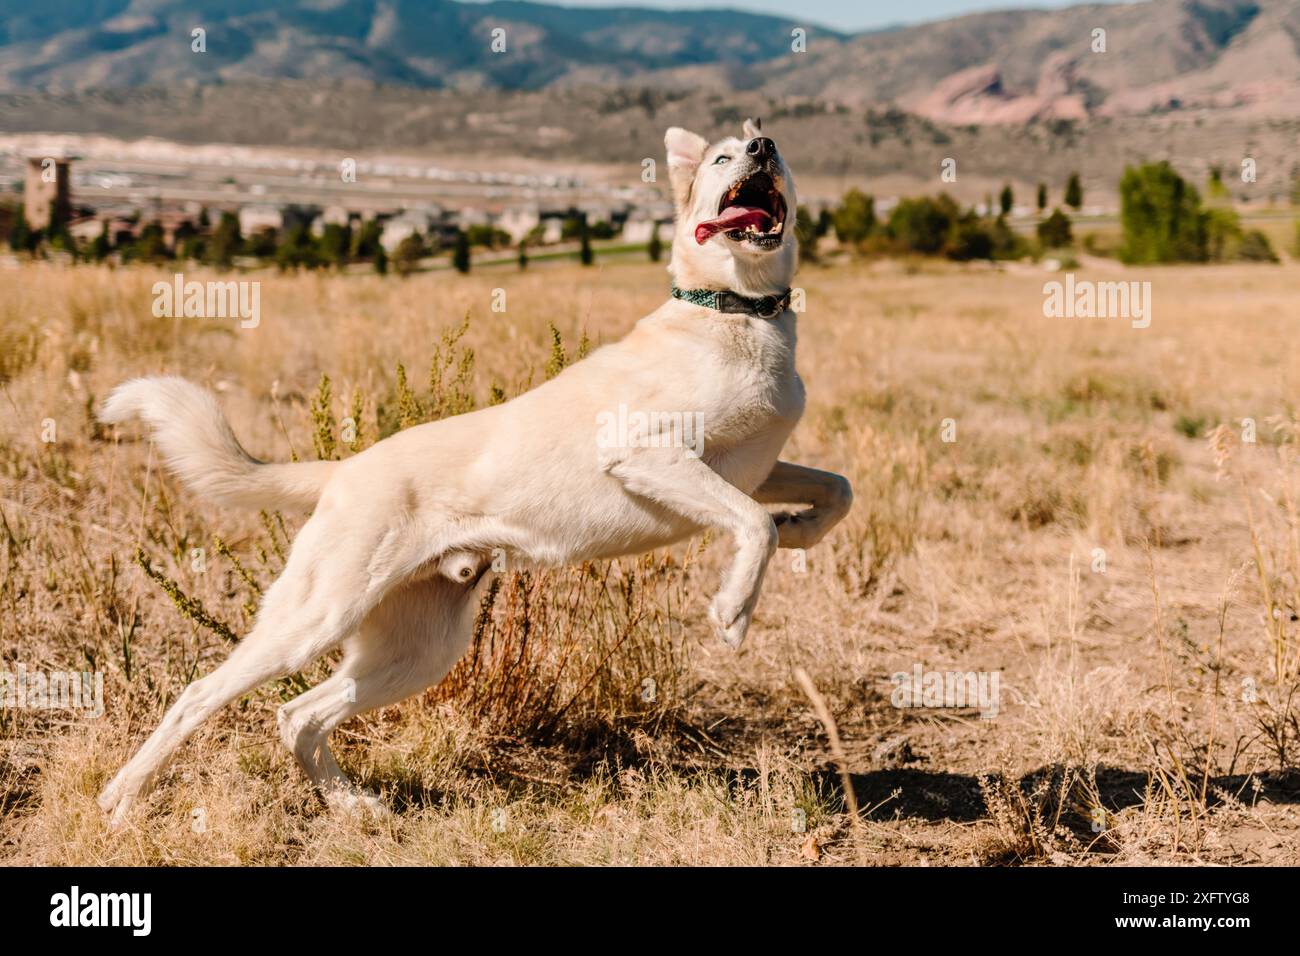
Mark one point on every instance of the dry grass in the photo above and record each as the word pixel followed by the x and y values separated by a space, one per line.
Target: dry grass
pixel 1135 584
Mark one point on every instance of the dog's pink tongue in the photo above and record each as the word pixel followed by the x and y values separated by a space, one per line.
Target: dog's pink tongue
pixel 733 217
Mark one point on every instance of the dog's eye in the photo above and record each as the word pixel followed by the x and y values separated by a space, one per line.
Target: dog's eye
pixel 721 159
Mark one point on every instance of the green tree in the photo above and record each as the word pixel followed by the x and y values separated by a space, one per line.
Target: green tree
pixel 1216 193
pixel 825 222
pixel 381 260
pixel 266 242
pixel 22 238
pixel 1042 197
pixel 408 254
pixel 1054 231
pixel 523 254
pixel 1074 192
pixel 487 236
pixel 1007 243
pixel 151 244
pixel 296 250
pixel 572 226
pixel 923 224
pixel 1223 233
pixel 62 240
pixel 1007 200
pixel 460 252
pixel 655 248
pixel 101 245
pixel 585 254
pixel 226 241
pixel 971 239
pixel 193 249
pixel 1160 214
pixel 805 230
pixel 365 241
pixel 334 243
pixel 855 217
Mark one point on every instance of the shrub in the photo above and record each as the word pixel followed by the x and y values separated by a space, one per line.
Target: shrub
pixel 1054 231
pixel 1222 233
pixel 1255 247
pixel 1161 216
pixel 855 217
pixel 226 241
pixel 972 238
pixel 924 224
pixel 805 230
pixel 334 243
pixel 408 254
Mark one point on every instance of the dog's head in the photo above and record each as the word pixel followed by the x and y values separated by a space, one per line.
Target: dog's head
pixel 735 205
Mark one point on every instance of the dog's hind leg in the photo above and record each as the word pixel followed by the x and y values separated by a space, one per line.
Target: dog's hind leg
pixel 407 644
pixel 322 595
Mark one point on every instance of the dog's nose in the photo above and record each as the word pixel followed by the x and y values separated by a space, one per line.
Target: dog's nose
pixel 760 147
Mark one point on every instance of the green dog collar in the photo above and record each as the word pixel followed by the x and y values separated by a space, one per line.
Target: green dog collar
pixel 766 307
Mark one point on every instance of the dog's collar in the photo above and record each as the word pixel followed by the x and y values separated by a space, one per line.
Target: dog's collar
pixel 766 307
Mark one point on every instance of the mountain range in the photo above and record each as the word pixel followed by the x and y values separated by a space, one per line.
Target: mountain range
pixel 1012 67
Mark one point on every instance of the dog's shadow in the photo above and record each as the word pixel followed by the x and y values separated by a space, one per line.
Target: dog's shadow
pixel 937 796
pixel 894 793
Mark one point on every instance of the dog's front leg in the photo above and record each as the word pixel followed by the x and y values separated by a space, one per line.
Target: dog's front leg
pixel 688 487
pixel 829 496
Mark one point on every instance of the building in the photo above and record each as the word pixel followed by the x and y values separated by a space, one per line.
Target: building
pixel 331 216
pixel 637 230
pixel 552 230
pixel 253 219
pixel 410 222
pixel 47 195
pixel 645 220
pixel 519 221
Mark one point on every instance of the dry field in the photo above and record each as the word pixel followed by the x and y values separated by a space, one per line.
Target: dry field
pixel 1129 570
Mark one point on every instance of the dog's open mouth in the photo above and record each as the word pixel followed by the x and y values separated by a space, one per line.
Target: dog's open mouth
pixel 751 211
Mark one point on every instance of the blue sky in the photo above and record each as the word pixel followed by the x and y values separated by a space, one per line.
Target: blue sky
pixel 846 15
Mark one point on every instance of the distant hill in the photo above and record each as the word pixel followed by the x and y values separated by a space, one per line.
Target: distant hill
pixel 1241 56
pixel 887 151
pixel 82 44
pixel 1012 66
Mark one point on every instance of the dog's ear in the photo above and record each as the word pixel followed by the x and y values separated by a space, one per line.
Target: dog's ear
pixel 753 127
pixel 685 150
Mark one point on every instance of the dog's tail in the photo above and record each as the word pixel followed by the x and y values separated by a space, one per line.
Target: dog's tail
pixel 199 447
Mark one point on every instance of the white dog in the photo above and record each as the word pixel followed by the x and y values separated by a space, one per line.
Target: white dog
pixel 401 534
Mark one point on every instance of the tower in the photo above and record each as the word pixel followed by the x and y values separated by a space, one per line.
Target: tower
pixel 47 198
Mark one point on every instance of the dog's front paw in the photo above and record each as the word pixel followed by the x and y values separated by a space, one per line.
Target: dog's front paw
pixel 353 801
pixel 117 805
pixel 799 529
pixel 730 620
